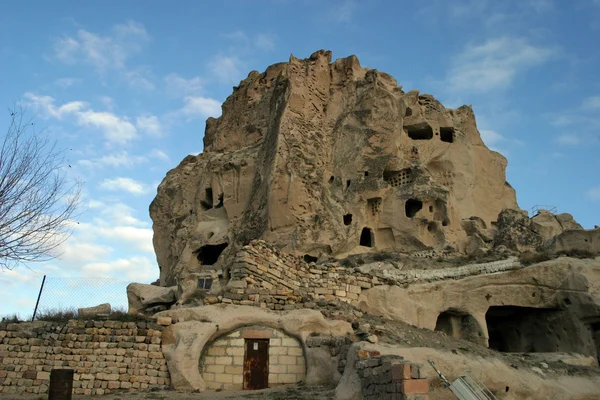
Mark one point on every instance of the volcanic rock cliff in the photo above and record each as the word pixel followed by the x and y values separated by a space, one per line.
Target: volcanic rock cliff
pixel 328 158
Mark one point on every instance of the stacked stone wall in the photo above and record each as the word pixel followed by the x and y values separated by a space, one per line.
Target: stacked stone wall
pixel 390 378
pixel 105 355
pixel 265 277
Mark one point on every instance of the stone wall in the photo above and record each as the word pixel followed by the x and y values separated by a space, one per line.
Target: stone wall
pixel 390 378
pixel 265 277
pixel 106 355
pixel 222 363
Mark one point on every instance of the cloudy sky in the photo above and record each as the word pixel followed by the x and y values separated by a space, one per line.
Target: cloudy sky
pixel 125 89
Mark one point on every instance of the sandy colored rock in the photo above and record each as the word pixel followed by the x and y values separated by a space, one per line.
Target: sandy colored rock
pixel 549 225
pixel 587 241
pixel 88 312
pixel 142 296
pixel 318 157
pixel 495 374
pixel 552 285
pixel 183 342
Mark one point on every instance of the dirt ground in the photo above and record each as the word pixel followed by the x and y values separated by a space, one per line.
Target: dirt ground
pixel 294 392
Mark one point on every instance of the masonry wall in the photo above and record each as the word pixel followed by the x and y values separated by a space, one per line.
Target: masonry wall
pixel 390 378
pixel 264 277
pixel 222 362
pixel 106 356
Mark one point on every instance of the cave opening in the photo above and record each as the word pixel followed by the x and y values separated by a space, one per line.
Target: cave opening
pixel 517 329
pixel 366 237
pixel 447 134
pixel 209 254
pixel 220 203
pixel 412 207
pixel 419 131
pixel 460 325
pixel 308 258
pixel 347 219
pixel 207 202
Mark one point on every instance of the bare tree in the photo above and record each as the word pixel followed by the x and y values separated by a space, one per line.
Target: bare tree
pixel 37 197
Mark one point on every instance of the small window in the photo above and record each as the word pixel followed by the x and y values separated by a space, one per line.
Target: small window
pixel 204 283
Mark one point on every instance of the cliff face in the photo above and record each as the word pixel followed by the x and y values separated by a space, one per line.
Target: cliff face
pixel 318 158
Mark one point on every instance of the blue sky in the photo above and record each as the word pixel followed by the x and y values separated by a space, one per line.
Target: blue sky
pixel 125 88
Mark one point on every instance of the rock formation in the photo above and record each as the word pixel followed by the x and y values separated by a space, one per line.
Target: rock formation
pixel 326 193
pixel 323 158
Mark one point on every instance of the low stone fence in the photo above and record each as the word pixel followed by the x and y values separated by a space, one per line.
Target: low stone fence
pixel 106 356
pixel 262 276
pixel 391 377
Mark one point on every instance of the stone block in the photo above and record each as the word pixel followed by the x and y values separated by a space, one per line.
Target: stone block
pixel 42 375
pixel 415 386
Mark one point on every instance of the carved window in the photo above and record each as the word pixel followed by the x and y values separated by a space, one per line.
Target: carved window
pixel 204 283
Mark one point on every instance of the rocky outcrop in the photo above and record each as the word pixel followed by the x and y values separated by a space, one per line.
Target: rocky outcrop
pixel 577 242
pixel 558 300
pixel 549 225
pixel 515 231
pixel 327 158
pixel 183 342
pixel 150 298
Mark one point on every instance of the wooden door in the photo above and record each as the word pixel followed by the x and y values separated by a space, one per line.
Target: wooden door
pixel 256 364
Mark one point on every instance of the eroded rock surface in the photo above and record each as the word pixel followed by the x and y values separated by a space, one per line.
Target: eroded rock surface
pixel 327 158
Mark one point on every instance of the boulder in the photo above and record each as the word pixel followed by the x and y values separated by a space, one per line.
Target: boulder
pixel 322 157
pixel 549 225
pixel 141 297
pixel 91 312
pixel 577 242
pixel 514 231
pixel 476 226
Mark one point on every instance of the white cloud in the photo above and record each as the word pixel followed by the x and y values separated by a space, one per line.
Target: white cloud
pixel 344 11
pixel 77 252
pixel 204 107
pixel 108 102
pixel 137 269
pixel 178 86
pixel 150 125
pixel 160 155
pixel 125 184
pixel 495 64
pixel 491 137
pixel 591 103
pixel 140 237
pixel 67 82
pixel 102 52
pixel 593 193
pixel 120 159
pixel 568 139
pixel 139 78
pixel 264 41
pixel 227 68
pixel 116 129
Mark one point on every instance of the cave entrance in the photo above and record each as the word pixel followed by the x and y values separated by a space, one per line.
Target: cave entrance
pixel 347 219
pixel 209 254
pixel 460 325
pixel 447 135
pixel 412 207
pixel 420 131
pixel 366 238
pixel 532 330
pixel 596 334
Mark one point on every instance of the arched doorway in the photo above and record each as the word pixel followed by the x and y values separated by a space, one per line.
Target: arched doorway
pixel 253 357
pixel 460 325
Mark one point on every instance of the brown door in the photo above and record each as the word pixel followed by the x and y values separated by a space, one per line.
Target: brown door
pixel 256 364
